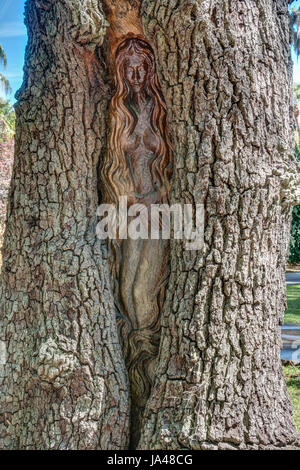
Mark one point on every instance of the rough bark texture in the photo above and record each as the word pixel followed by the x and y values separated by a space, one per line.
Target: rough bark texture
pixel 225 72
pixel 62 377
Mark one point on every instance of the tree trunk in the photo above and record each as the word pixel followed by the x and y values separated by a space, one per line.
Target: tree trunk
pixel 224 67
pixel 225 72
pixel 63 379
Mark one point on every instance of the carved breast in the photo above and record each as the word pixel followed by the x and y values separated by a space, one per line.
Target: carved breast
pixel 142 139
pixel 140 149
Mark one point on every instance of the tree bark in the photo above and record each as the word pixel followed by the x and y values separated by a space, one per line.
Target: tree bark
pixel 226 74
pixel 225 71
pixel 62 377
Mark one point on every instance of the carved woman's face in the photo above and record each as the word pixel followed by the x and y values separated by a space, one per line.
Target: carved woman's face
pixel 136 72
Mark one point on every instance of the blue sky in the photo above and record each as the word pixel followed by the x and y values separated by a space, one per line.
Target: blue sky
pixel 13 39
pixel 295 60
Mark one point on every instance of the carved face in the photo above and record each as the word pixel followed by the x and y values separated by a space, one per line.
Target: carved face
pixel 136 72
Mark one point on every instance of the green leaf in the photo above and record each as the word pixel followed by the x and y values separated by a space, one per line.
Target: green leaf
pixel 5 84
pixel 3 60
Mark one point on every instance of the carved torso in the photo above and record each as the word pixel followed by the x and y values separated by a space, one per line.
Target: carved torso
pixel 138 165
pixel 140 149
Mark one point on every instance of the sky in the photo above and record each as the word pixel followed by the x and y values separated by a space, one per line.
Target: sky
pixel 13 39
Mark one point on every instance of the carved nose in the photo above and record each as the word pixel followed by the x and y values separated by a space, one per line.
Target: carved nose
pixel 137 76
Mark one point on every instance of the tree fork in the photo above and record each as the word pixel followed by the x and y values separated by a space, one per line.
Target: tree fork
pixel 225 72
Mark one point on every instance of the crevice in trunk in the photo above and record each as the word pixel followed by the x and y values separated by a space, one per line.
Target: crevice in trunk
pixel 137 166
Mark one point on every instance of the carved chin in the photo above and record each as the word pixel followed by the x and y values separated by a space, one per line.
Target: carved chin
pixel 136 88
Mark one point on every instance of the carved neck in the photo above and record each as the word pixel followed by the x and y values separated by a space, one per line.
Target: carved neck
pixel 139 101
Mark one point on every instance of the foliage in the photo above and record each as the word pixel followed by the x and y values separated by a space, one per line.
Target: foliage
pixel 295 29
pixel 292 377
pixel 7 120
pixel 7 129
pixel 297 152
pixel 6 162
pixel 3 60
pixel 5 83
pixel 3 80
pixel 297 92
pixel 293 302
pixel 294 256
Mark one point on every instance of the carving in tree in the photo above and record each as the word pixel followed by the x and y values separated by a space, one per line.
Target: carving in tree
pixel 139 166
pixel 224 70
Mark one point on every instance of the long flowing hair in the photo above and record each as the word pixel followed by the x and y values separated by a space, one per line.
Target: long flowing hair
pixel 115 174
